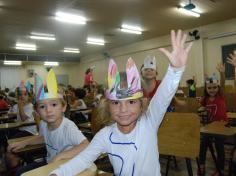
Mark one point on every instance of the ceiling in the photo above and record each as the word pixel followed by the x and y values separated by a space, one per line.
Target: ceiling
pixel 157 17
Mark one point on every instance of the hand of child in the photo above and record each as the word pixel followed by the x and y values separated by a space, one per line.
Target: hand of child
pixel 178 57
pixel 15 146
pixel 220 67
pixel 232 59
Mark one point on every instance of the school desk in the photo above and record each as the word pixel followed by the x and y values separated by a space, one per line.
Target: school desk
pixel 214 129
pixel 45 170
pixel 231 115
pixel 9 126
pixel 5 118
pixel 28 148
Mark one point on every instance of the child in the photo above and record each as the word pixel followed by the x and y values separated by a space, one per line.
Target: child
pixel 24 112
pixel 191 83
pixel 79 102
pixel 232 59
pixel 214 102
pixel 3 103
pixel 131 142
pixel 149 73
pixel 62 138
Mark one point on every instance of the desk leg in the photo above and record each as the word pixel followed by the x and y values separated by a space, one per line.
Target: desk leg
pixel 167 165
pixel 214 157
pixel 189 166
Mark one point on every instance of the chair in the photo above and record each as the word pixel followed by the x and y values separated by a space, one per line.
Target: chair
pixel 179 135
pixel 191 106
pixel 230 101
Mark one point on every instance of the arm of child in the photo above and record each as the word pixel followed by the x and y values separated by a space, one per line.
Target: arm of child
pixel 221 68
pixel 84 159
pixel 232 59
pixel 169 85
pixel 71 152
pixel 22 144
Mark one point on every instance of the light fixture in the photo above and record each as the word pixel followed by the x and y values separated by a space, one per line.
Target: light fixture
pixel 47 63
pixel 42 36
pixel 24 46
pixel 131 29
pixel 189 12
pixel 95 41
pixel 8 62
pixel 71 50
pixel 189 9
pixel 70 18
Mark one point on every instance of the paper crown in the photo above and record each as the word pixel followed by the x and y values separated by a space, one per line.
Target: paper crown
pixel 212 79
pixel 24 87
pixel 50 90
pixel 118 92
pixel 149 62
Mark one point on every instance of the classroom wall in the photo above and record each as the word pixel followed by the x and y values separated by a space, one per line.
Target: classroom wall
pixel 204 56
pixel 10 76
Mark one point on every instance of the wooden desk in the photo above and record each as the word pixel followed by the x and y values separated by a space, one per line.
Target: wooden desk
pixel 28 147
pixel 5 118
pixel 231 115
pixel 45 170
pixel 86 125
pixel 8 126
pixel 218 128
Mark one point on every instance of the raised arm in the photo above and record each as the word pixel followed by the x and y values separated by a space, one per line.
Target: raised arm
pixel 232 59
pixel 178 59
pixel 221 68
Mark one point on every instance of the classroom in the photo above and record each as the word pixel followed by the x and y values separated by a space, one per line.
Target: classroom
pixel 83 84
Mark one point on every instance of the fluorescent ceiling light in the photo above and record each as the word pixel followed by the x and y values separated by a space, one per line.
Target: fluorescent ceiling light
pixel 42 37
pixel 24 46
pixel 131 29
pixel 51 63
pixel 95 41
pixel 70 18
pixel 189 12
pixel 7 62
pixel 71 50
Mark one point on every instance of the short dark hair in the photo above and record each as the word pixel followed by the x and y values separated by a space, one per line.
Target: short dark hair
pixel 80 93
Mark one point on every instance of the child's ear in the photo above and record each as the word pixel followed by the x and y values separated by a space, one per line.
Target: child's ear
pixel 64 108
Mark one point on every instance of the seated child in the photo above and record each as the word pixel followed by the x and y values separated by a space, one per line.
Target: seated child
pixel 131 142
pixel 62 137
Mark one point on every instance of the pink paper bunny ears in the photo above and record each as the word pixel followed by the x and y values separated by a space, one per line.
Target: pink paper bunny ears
pixel 116 91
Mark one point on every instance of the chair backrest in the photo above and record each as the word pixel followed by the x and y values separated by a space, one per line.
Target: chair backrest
pixel 230 99
pixel 179 135
pixel 192 105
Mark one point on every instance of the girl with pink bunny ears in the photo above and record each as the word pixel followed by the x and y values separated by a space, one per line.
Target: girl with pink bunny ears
pixel 131 141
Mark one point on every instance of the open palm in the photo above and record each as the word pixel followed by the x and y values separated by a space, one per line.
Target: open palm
pixel 232 59
pixel 179 55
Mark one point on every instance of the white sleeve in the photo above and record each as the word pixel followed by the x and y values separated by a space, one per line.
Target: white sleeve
pixel 85 159
pixel 29 112
pixel 163 96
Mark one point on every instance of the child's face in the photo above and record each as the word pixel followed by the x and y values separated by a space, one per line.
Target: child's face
pixel 149 73
pixel 23 96
pixel 125 112
pixel 212 89
pixel 51 110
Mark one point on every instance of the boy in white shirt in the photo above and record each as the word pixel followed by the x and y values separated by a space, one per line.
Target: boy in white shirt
pixel 62 137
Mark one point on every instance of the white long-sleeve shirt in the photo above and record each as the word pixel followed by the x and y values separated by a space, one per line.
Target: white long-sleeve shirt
pixel 136 153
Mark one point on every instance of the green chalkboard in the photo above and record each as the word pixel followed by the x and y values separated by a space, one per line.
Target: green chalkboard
pixel 229 69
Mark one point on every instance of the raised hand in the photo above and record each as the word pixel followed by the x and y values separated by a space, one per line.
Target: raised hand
pixel 232 59
pixel 179 55
pixel 220 67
